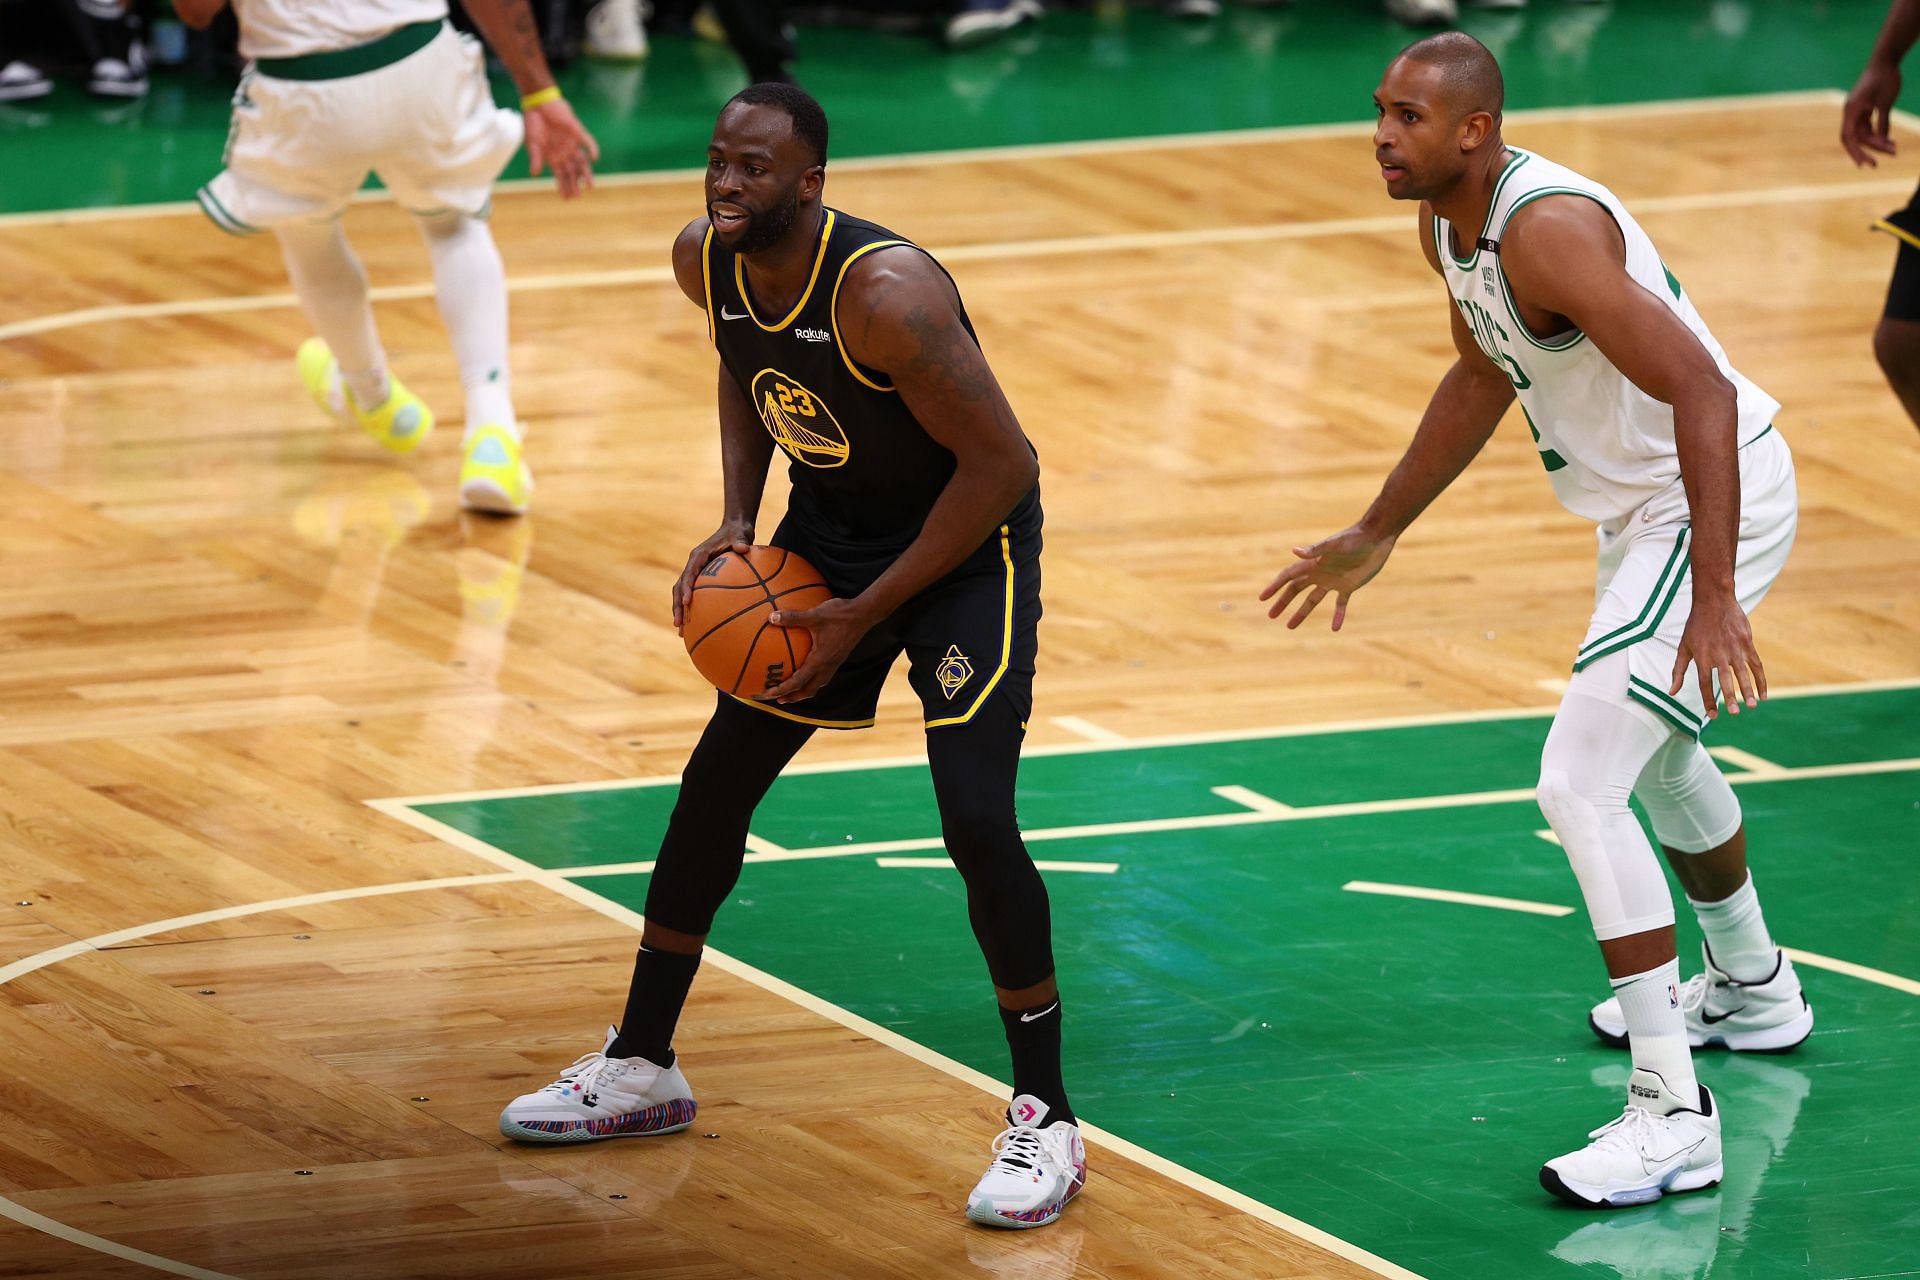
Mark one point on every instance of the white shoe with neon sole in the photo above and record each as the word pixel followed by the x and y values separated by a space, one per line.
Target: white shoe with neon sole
pixel 601 1097
pixel 1035 1170
pixel 1771 1016
pixel 399 425
pixel 1660 1145
pixel 493 472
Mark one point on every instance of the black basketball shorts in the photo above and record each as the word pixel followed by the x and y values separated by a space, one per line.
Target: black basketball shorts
pixel 969 638
pixel 1903 291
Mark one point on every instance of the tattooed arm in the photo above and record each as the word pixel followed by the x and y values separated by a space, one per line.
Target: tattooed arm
pixel 555 135
pixel 899 313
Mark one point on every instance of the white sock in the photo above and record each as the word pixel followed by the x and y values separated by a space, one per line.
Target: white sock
pixel 1656 1029
pixel 332 288
pixel 1737 934
pixel 470 285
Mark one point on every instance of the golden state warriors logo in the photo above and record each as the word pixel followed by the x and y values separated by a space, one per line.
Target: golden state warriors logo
pixel 798 422
pixel 954 670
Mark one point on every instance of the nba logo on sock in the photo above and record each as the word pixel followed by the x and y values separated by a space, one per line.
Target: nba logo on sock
pixel 1673 996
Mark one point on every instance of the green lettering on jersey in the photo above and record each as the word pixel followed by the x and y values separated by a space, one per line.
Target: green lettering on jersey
pixel 1485 328
pixel 1551 460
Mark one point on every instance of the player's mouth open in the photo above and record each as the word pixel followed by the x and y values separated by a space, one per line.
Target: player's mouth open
pixel 726 217
pixel 1392 171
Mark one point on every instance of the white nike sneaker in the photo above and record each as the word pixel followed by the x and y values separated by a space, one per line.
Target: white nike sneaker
pixel 1035 1170
pixel 1771 1016
pixel 601 1097
pixel 615 31
pixel 1658 1146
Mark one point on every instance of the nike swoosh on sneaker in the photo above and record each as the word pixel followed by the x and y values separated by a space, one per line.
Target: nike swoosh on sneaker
pixel 1710 1019
pixel 1652 1162
pixel 728 315
pixel 1029 1017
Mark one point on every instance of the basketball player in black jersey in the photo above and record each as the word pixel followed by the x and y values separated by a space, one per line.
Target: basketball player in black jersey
pixel 914 493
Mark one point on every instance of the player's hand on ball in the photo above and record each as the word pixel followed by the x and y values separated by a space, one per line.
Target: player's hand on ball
pixel 1341 564
pixel 1719 641
pixel 735 536
pixel 556 139
pixel 837 627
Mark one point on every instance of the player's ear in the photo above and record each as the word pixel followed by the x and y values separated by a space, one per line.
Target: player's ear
pixel 812 181
pixel 1475 129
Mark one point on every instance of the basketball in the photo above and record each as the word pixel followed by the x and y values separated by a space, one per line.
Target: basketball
pixel 725 623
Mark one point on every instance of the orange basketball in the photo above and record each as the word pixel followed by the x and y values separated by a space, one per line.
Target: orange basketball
pixel 725 623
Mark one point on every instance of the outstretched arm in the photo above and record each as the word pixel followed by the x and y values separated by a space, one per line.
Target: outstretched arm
pixel 899 313
pixel 1866 119
pixel 1461 416
pixel 555 135
pixel 1565 254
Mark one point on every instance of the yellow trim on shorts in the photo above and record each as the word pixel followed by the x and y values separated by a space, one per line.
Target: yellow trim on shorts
pixel 820 256
pixel 833 308
pixel 1006 643
pixel 772 710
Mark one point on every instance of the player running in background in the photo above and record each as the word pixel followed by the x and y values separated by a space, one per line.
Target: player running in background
pixel 335 88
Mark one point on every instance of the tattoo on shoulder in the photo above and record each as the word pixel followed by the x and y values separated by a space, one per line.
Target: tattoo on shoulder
pixel 945 356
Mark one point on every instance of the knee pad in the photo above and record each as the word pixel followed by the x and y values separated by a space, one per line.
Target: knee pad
pixel 1688 799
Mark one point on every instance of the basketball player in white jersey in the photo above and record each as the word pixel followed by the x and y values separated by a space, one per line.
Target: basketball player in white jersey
pixel 335 88
pixel 1643 426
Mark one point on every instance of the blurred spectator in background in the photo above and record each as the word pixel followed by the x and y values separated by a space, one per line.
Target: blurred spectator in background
pixel 1439 13
pixel 99 38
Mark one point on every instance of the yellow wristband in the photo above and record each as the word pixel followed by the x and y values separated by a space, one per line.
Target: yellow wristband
pixel 540 97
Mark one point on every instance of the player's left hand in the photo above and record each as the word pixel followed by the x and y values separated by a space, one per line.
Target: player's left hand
pixel 556 138
pixel 837 626
pixel 1718 640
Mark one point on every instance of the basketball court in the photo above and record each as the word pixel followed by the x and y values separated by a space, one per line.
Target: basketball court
pixel 329 813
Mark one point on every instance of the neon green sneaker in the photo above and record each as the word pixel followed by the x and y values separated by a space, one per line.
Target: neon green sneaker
pixel 400 424
pixel 493 476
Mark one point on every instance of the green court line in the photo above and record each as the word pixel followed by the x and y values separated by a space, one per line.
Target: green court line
pixel 1389 1070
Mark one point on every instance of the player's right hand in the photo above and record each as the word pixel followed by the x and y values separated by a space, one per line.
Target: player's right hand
pixel 1866 119
pixel 1341 564
pixel 735 536
pixel 557 139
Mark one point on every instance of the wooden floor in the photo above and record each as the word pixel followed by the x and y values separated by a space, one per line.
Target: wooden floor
pixel 225 626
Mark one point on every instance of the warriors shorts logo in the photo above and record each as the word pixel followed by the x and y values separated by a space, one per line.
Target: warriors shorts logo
pixel 798 422
pixel 954 671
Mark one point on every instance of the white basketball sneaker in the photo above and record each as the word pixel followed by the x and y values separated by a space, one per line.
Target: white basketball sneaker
pixel 1658 1146
pixel 601 1097
pixel 1035 1170
pixel 616 31
pixel 1771 1016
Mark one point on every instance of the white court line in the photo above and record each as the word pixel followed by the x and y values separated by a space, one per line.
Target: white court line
pixel 1088 729
pixel 1746 760
pixel 1252 800
pixel 760 844
pixel 1547 835
pixel 1095 868
pixel 1129 744
pixel 1040 150
pixel 1056 246
pixel 1852 970
pixel 1453 895
pixel 893 1040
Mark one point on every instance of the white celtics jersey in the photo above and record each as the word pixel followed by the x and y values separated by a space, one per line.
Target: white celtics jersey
pixel 295 28
pixel 1607 445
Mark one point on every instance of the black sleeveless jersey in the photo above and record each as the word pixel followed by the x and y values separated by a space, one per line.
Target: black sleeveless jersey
pixel 865 473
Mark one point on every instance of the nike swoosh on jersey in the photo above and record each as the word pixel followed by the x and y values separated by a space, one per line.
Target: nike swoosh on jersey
pixel 1029 1017
pixel 728 315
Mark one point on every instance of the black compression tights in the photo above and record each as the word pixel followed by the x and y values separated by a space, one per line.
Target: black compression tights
pixel 974 766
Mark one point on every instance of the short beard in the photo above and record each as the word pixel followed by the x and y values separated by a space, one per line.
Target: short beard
pixel 767 229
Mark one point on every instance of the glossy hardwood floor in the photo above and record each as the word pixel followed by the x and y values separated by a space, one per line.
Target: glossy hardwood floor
pixel 225 625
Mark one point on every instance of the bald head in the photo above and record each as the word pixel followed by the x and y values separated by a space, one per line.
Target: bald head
pixel 1470 79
